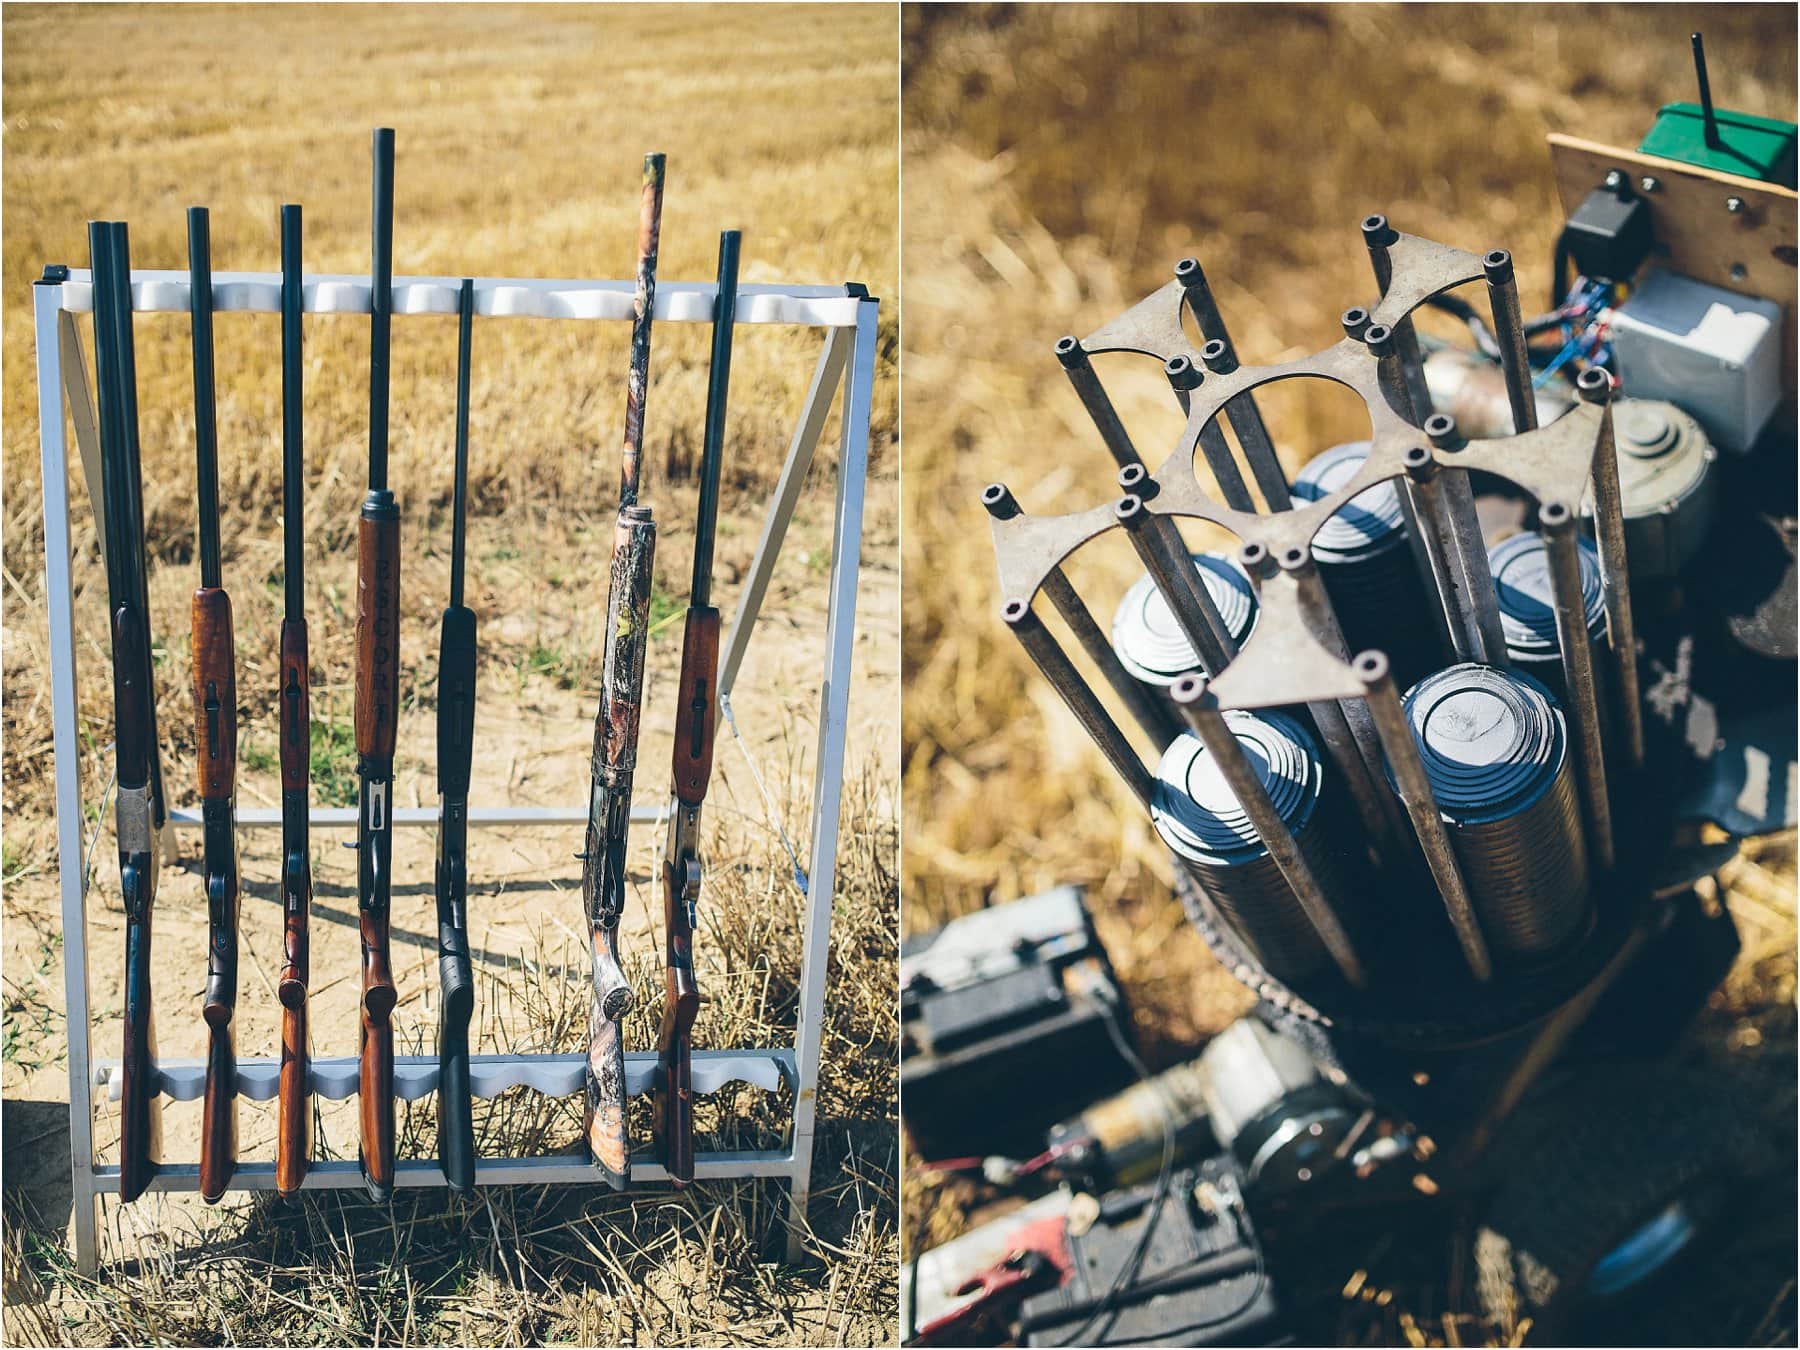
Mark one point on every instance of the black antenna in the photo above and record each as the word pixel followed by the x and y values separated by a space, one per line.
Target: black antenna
pixel 206 436
pixel 381 306
pixel 459 502
pixel 1706 106
pixel 293 405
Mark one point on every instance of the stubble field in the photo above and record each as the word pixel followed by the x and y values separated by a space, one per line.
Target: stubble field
pixel 1059 160
pixel 520 136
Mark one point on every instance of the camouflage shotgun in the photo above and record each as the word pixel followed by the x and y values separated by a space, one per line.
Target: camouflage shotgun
pixel 696 721
pixel 455 751
pixel 140 811
pixel 293 1131
pixel 616 732
pixel 215 736
pixel 377 703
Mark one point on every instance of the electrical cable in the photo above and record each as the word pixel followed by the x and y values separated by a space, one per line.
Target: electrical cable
pixel 1129 1270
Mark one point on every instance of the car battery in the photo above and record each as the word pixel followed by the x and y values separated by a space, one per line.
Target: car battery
pixel 1004 1026
pixel 1201 1280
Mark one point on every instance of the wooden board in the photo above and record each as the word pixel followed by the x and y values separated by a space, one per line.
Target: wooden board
pixel 1695 234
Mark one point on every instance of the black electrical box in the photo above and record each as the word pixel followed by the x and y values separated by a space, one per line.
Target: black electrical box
pixel 1609 235
pixel 1202 1279
pixel 1003 1023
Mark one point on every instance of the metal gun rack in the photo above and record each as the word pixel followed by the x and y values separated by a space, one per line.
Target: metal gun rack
pixel 847 314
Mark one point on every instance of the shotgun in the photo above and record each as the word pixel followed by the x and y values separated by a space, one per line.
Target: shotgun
pixel 215 736
pixel 455 749
pixel 377 702
pixel 293 1134
pixel 616 731
pixel 696 721
pixel 139 810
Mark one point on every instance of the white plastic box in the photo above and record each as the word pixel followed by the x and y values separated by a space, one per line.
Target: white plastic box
pixel 1711 352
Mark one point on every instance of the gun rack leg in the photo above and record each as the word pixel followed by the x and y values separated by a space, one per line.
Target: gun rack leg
pixel 819 396
pixel 59 357
pixel 828 770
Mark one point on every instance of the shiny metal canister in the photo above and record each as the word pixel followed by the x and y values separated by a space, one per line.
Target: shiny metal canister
pixel 1366 561
pixel 1494 745
pixel 1668 492
pixel 1150 643
pixel 1202 822
pixel 1521 569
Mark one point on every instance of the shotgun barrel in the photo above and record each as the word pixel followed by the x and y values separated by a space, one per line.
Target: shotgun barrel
pixel 616 733
pixel 293 1133
pixel 139 808
pixel 377 704
pixel 696 722
pixel 455 753
pixel 215 735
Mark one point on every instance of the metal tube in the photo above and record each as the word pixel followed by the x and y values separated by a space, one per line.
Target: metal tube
pixel 381 305
pixel 1414 787
pixel 1093 397
pixel 1183 377
pixel 1241 411
pixel 1152 713
pixel 1374 801
pixel 1203 714
pixel 459 492
pixel 1054 662
pixel 1509 331
pixel 1615 579
pixel 1379 236
pixel 1423 493
pixel 1556 523
pixel 718 391
pixel 206 439
pixel 1328 720
pixel 1173 570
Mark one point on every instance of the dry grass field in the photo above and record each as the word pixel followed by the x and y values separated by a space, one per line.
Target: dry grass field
pixel 520 133
pixel 1058 161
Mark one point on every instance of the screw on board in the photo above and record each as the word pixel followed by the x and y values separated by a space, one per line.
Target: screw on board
pixel 1739 271
pixel 1648 184
pixel 1735 205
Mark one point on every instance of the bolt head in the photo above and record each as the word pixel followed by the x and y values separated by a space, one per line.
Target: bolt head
pixel 1614 180
pixel 1735 205
pixel 1739 271
pixel 1647 184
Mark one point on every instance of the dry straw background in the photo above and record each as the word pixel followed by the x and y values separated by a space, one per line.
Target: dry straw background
pixel 1058 161
pixel 520 134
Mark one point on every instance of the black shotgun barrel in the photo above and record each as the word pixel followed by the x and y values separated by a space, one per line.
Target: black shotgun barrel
pixel 718 388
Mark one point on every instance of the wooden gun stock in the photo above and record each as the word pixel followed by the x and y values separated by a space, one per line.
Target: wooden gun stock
pixel 696 722
pixel 293 1138
pixel 215 718
pixel 697 708
pixel 140 1108
pixel 375 1084
pixel 377 704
